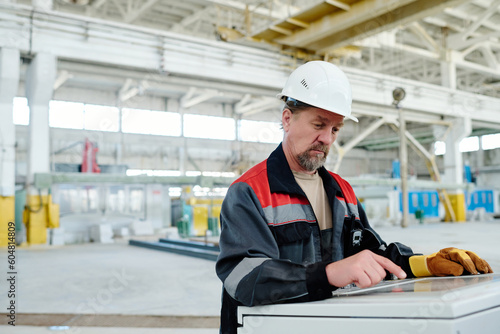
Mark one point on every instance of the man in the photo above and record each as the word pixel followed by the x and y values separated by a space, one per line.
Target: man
pixel 293 231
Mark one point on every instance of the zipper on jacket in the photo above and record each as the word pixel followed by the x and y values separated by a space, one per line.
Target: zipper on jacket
pixel 319 228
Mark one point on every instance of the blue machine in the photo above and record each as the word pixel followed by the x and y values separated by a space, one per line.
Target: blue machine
pixel 481 199
pixel 396 165
pixel 468 173
pixel 428 201
pixel 425 200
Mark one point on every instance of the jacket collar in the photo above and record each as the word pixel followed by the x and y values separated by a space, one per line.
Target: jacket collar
pixel 281 178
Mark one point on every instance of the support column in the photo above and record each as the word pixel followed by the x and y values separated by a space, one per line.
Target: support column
pixel 167 208
pixel 9 82
pixel 448 74
pixel 449 70
pixel 403 160
pixel 480 155
pixel 177 105
pixel 453 165
pixel 40 78
pixel 236 147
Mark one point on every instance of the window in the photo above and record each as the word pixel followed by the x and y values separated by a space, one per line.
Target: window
pixel 439 148
pixel 174 191
pixel 414 200
pixel 101 118
pixel 260 132
pixel 151 172
pixel 136 200
pixel 211 127
pixel 205 191
pixel 151 122
pixel 21 111
pixel 490 142
pixel 469 144
pixel 219 174
pixel 68 115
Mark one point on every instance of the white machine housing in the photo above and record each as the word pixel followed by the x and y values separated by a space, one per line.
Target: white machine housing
pixel 435 305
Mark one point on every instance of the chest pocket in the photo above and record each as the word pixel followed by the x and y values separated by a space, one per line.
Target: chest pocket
pixel 292 232
pixel 295 242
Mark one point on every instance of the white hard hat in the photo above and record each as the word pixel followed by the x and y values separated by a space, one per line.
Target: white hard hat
pixel 321 85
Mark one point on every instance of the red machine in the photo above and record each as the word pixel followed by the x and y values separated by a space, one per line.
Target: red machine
pixel 89 163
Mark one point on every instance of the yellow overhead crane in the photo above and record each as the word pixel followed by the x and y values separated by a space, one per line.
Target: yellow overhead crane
pixel 330 28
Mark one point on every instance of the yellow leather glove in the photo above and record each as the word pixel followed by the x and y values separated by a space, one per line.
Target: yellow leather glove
pixel 449 261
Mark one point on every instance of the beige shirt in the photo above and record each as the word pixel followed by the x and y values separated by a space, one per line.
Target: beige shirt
pixel 312 185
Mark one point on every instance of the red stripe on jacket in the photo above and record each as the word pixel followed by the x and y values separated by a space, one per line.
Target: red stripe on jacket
pixel 256 177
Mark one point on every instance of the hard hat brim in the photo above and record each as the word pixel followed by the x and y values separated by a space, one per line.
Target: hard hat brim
pixel 352 118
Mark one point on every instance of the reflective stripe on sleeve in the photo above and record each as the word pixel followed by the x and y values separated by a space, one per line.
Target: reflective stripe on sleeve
pixel 240 271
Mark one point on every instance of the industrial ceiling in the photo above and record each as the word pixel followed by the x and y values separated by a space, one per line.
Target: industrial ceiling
pixel 423 43
pixel 406 38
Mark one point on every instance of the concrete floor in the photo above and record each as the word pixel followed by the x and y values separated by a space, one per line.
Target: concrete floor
pixel 111 288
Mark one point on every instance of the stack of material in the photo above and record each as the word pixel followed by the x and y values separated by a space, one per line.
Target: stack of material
pixel 121 232
pixel 141 228
pixel 101 233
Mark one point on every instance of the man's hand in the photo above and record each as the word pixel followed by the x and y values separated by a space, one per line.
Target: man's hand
pixel 364 269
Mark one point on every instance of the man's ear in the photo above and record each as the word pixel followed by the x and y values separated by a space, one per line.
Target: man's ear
pixel 286 118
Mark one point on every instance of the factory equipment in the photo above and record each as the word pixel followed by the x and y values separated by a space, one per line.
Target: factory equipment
pixel 129 202
pixel 199 214
pixel 486 199
pixel 40 213
pixel 434 305
pixel 89 161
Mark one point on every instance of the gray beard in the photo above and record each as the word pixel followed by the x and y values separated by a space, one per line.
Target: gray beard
pixel 311 164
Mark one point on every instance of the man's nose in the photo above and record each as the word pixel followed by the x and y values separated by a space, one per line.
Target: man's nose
pixel 326 137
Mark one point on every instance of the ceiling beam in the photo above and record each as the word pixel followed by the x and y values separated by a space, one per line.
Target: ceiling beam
pixel 119 7
pixel 424 36
pixel 488 56
pixel 481 19
pixel 298 23
pixel 61 79
pixel 276 14
pixel 128 91
pixel 462 15
pixel 471 41
pixel 190 19
pixel 244 100
pixel 342 150
pixel 255 106
pixel 458 57
pixel 339 4
pixel 97 3
pixel 189 100
pixel 460 40
pixel 364 19
pixel 136 13
pixel 336 22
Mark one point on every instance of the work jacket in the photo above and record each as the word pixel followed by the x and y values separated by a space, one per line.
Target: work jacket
pixel 272 249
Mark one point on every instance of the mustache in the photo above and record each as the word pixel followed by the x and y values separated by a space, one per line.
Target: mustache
pixel 319 147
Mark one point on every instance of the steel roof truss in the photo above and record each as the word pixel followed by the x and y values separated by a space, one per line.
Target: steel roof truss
pixel 190 99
